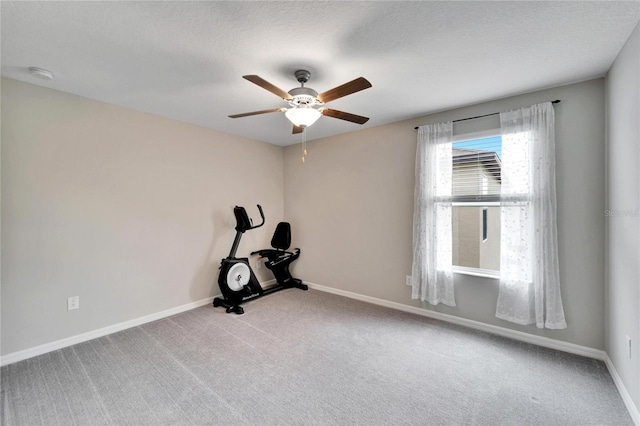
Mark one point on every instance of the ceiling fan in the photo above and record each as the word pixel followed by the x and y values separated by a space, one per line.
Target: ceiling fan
pixel 304 101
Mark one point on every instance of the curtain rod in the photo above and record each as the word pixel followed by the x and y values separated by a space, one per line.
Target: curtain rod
pixel 557 101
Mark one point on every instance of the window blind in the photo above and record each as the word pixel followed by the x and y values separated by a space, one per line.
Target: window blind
pixel 477 170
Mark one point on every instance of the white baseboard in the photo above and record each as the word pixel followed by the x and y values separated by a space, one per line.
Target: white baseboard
pixel 493 329
pixel 628 401
pixel 63 343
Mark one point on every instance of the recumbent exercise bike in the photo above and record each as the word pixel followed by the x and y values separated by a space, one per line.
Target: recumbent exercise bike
pixel 237 281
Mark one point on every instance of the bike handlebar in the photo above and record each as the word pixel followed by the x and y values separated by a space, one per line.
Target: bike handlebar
pixel 261 215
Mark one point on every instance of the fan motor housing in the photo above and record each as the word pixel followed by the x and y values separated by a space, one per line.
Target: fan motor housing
pixel 303 96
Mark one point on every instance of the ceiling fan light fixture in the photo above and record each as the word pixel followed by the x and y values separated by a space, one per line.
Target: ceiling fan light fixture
pixel 305 102
pixel 302 116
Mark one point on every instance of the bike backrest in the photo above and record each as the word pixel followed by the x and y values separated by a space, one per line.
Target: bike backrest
pixel 282 236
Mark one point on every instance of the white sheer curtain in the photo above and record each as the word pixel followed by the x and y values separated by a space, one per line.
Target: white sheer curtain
pixel 432 276
pixel 529 277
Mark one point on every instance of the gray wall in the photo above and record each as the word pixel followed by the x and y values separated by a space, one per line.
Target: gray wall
pixel 351 208
pixel 622 214
pixel 131 212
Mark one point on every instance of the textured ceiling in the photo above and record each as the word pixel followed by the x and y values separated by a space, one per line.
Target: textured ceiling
pixel 185 60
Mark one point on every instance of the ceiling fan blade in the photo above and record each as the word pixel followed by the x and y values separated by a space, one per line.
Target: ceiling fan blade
pixel 358 119
pixel 297 129
pixel 353 86
pixel 268 86
pixel 264 111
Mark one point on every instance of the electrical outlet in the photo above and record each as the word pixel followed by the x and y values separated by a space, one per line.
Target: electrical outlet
pixel 408 280
pixel 629 345
pixel 73 303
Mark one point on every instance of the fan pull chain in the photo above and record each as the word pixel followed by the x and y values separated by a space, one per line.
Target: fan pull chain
pixel 304 144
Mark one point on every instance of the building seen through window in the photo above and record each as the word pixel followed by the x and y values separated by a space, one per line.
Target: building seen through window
pixel 476 184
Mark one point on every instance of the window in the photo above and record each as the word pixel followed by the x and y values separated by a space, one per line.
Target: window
pixel 508 180
pixel 476 180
